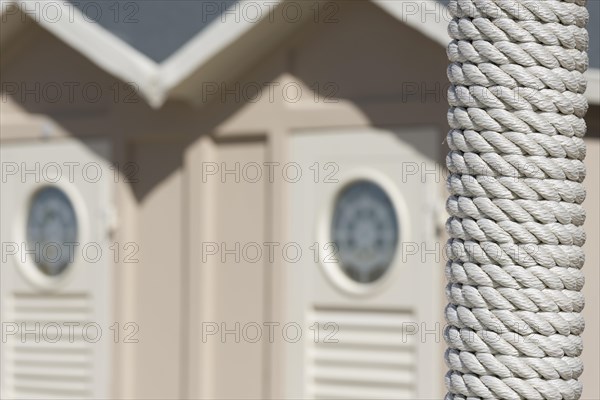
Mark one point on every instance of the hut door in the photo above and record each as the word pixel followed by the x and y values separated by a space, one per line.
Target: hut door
pixel 55 277
pixel 365 292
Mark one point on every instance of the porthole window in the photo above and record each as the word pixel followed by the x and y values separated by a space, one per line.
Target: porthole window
pixel 365 231
pixel 51 230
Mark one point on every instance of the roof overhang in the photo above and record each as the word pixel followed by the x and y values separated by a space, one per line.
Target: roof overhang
pixel 220 50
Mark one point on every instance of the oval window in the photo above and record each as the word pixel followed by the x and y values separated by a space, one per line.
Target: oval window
pixel 51 230
pixel 365 231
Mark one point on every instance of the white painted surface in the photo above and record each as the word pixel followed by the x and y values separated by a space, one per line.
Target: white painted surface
pixel 59 362
pixel 372 322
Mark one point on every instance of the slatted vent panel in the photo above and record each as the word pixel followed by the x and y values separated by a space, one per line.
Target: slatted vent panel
pixel 372 358
pixel 49 366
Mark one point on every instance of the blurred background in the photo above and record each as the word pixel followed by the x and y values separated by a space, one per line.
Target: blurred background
pixel 233 199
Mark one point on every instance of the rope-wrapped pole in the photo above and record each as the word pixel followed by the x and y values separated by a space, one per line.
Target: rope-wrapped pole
pixel 516 163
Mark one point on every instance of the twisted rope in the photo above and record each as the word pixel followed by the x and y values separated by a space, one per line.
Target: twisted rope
pixel 516 163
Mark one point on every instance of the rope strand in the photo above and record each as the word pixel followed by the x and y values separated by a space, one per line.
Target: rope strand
pixel 516 172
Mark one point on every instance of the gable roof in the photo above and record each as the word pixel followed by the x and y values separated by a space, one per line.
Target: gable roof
pixel 155 28
pixel 209 49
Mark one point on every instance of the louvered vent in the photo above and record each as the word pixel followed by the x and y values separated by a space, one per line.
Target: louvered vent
pixel 372 358
pixel 40 368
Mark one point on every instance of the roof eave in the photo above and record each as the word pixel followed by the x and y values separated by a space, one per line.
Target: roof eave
pixel 198 60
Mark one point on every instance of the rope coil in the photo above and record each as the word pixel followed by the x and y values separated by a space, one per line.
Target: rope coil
pixel 516 172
